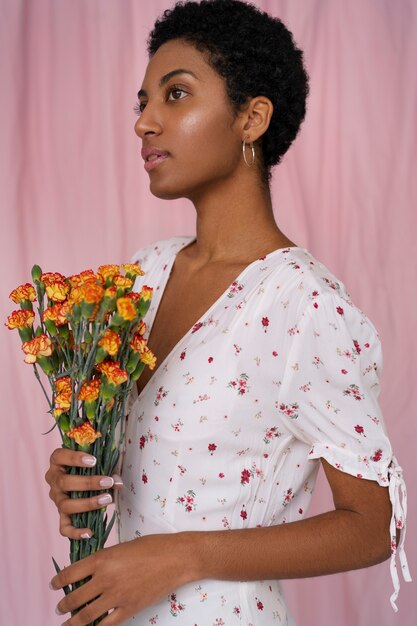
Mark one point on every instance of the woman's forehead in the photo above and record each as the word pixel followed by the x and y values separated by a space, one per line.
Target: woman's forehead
pixel 174 55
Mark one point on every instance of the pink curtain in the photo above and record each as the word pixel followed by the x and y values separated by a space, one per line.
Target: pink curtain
pixel 73 195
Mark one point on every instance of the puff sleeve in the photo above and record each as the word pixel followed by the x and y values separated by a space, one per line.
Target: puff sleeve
pixel 330 391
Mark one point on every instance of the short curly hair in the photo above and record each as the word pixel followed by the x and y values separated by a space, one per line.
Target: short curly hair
pixel 254 53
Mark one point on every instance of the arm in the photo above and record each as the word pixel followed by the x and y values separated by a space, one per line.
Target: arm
pixel 133 575
pixel 354 535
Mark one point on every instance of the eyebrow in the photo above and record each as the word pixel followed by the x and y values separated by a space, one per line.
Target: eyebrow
pixel 166 78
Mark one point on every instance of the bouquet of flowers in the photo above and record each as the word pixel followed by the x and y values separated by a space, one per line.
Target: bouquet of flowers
pixel 89 342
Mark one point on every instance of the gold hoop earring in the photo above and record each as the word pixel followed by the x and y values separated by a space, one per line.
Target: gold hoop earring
pixel 251 146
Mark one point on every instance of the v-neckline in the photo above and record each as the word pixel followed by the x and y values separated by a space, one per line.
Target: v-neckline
pixel 162 288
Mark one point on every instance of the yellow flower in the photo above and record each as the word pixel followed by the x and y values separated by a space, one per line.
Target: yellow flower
pixel 86 276
pixel 111 292
pixel 134 269
pixel 39 346
pixel 113 372
pixel 90 391
pixel 20 319
pixel 62 403
pixel 110 342
pixel 56 286
pixel 57 313
pixel 108 272
pixel 148 357
pixel 24 292
pixel 126 309
pixel 84 435
pixel 122 282
pixel 141 329
pixel 146 293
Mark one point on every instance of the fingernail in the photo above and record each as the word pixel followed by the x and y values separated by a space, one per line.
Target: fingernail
pixel 89 460
pixel 86 536
pixel 106 482
pixel 106 499
pixel 51 587
pixel 117 479
pixel 58 612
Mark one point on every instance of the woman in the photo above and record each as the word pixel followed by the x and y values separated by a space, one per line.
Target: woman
pixel 265 364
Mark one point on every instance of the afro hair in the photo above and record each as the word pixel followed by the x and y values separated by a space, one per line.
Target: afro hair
pixel 254 53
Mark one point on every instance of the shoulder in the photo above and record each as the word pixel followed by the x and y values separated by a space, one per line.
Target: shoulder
pixel 159 251
pixel 320 296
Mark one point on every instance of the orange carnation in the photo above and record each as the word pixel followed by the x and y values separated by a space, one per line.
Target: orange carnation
pixel 108 272
pixel 123 282
pixel 146 293
pixel 134 269
pixel 57 313
pixel 36 347
pixel 63 385
pixel 90 391
pixel 92 293
pixel 111 342
pixel 133 295
pixel 114 374
pixel 148 357
pixel 83 277
pixel 138 343
pixel 24 292
pixel 126 309
pixel 84 435
pixel 20 319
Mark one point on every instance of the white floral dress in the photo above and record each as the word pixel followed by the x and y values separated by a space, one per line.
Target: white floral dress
pixel 281 371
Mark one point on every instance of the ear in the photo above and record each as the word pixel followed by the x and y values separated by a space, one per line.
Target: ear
pixel 256 118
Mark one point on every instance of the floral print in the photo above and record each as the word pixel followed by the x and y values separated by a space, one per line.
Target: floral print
pixel 282 370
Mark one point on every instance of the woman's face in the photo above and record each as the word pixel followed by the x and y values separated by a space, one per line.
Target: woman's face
pixel 186 116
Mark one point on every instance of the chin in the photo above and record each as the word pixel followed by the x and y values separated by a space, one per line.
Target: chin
pixel 167 192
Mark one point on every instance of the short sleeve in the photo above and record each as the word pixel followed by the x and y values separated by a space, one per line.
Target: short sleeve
pixel 329 393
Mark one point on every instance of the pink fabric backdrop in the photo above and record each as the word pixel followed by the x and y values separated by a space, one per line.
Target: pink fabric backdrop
pixel 73 194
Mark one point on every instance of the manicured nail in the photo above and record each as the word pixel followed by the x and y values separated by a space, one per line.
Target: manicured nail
pixel 50 587
pixel 89 460
pixel 106 499
pixel 86 536
pixel 106 482
pixel 117 479
pixel 58 612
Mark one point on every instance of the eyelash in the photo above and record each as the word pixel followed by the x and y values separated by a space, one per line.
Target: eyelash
pixel 137 107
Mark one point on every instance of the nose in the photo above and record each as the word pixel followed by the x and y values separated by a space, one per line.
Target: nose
pixel 148 123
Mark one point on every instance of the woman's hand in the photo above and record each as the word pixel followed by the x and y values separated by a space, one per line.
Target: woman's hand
pixel 61 483
pixel 126 578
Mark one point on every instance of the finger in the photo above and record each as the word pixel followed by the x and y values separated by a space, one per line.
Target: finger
pixel 74 573
pixel 72 458
pixel 117 481
pixel 69 482
pixel 66 529
pixel 82 505
pixel 115 618
pixel 76 599
pixel 89 613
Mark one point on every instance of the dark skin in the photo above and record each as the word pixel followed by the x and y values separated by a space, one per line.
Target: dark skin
pixel 235 226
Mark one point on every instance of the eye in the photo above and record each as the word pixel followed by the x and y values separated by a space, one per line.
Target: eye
pixel 174 90
pixel 139 107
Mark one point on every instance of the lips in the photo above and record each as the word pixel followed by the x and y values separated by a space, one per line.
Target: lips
pixel 152 157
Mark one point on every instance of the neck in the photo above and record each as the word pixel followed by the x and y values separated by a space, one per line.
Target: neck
pixel 235 222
